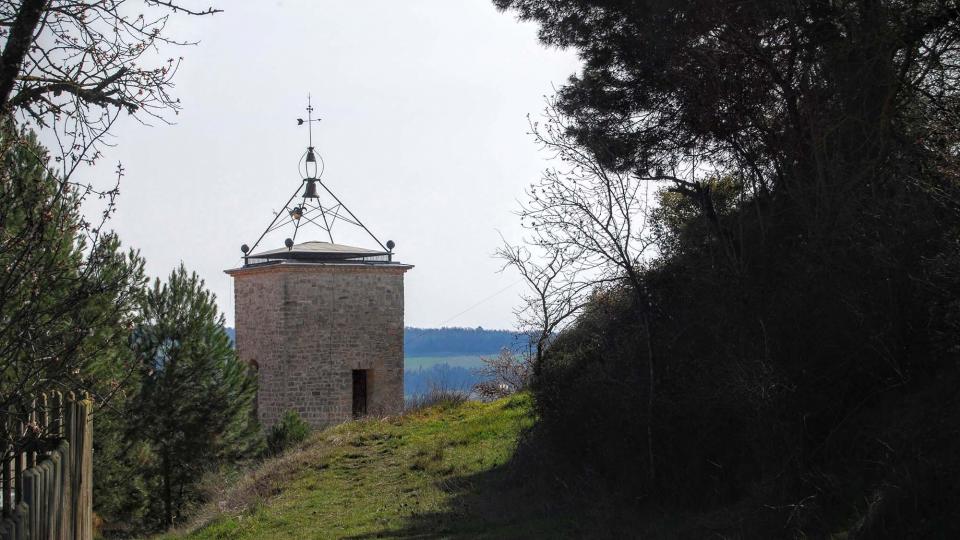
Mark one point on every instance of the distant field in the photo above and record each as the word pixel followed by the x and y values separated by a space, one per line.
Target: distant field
pixel 422 373
pixel 427 362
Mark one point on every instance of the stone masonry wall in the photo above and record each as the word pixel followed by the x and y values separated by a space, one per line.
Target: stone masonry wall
pixel 307 326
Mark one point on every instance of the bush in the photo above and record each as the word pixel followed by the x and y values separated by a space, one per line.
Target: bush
pixel 808 383
pixel 290 431
pixel 504 374
pixel 437 396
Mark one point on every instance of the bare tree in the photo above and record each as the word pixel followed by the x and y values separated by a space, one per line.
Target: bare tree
pixel 554 296
pixel 591 227
pixel 555 293
pixel 503 374
pixel 594 217
pixel 74 66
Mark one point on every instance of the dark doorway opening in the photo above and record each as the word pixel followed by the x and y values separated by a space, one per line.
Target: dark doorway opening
pixel 359 393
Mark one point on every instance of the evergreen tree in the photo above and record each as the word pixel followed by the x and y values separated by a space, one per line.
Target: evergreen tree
pixel 68 298
pixel 67 291
pixel 195 402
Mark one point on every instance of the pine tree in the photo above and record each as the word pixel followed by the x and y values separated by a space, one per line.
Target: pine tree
pixel 68 294
pixel 195 403
pixel 67 290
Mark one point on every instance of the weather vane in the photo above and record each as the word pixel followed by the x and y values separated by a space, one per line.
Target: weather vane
pixel 312 208
pixel 310 163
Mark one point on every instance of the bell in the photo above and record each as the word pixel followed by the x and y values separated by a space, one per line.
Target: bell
pixel 311 191
pixel 311 157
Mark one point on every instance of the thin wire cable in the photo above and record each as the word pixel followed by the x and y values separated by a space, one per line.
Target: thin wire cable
pixel 503 290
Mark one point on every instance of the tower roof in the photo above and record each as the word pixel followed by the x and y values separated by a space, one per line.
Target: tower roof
pixel 320 252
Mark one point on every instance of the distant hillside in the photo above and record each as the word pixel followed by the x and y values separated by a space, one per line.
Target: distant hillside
pixel 452 341
pixel 459 341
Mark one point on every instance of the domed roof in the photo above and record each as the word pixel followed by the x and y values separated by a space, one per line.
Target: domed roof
pixel 320 251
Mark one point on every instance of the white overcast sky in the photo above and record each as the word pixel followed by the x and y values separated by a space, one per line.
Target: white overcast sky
pixel 424 134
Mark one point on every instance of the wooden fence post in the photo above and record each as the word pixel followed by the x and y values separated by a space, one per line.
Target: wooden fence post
pixel 5 462
pixel 45 474
pixel 31 423
pixel 66 532
pixel 22 514
pixel 86 474
pixel 56 414
pixel 43 416
pixel 19 463
pixel 51 497
pixel 6 455
pixel 54 496
pixel 70 432
pixel 30 498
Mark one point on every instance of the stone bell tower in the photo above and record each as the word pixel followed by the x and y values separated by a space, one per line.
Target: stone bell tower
pixel 321 322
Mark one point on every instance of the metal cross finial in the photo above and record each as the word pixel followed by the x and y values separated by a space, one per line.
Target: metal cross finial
pixel 309 121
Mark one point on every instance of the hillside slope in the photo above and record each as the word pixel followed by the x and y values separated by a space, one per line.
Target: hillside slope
pixel 439 472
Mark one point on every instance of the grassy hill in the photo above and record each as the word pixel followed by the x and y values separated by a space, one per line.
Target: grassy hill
pixel 439 472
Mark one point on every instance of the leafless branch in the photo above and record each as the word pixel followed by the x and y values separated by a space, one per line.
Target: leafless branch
pixel 75 65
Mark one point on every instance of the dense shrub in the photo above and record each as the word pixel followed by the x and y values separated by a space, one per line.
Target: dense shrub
pixel 814 386
pixel 782 364
pixel 290 431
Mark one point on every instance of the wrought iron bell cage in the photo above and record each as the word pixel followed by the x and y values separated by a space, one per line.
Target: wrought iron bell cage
pixel 317 206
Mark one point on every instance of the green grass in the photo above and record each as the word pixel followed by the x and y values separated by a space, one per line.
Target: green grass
pixel 427 362
pixel 435 473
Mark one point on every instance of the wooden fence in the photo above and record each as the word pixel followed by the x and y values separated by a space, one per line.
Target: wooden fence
pixel 47 481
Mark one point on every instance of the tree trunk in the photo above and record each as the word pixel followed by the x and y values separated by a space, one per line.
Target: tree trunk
pixel 643 304
pixel 650 390
pixel 167 493
pixel 18 44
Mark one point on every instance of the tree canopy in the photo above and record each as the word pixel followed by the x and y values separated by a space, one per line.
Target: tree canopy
pixel 194 405
pixel 800 305
pixel 823 102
